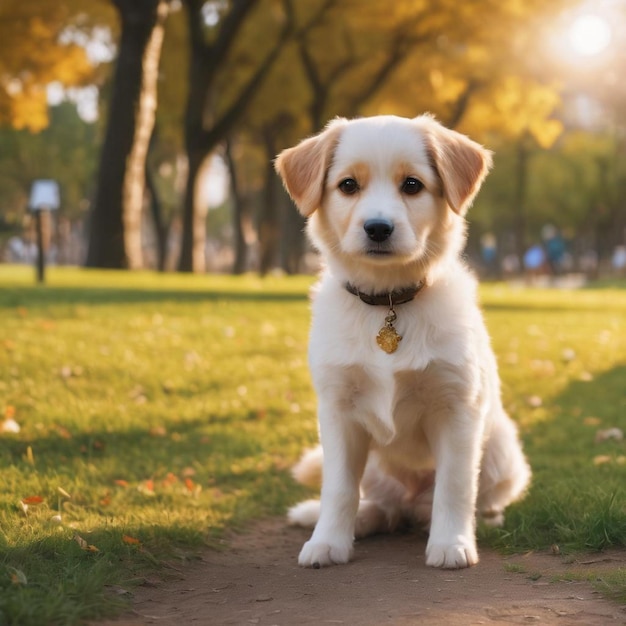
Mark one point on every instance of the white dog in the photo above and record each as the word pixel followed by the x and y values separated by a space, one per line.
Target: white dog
pixel 410 413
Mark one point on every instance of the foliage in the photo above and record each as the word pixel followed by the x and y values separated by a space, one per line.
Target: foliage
pixel 65 151
pixel 485 67
pixel 574 186
pixel 26 68
pixel 157 410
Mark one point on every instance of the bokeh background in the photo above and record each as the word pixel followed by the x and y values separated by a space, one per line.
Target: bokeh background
pixel 159 119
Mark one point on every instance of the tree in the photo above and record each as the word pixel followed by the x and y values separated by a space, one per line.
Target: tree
pixel 205 124
pixel 65 150
pixel 460 62
pixel 115 228
pixel 27 68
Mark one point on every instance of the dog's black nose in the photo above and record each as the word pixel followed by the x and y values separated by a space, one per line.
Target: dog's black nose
pixel 378 230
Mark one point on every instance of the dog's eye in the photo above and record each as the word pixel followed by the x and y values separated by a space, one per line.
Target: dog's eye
pixel 412 186
pixel 348 186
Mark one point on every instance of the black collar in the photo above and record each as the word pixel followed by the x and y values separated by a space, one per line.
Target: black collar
pixel 390 298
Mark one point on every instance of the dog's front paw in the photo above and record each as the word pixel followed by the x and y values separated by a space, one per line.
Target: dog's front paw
pixel 319 554
pixel 461 553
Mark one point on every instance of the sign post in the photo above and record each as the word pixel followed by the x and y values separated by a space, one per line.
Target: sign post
pixel 44 196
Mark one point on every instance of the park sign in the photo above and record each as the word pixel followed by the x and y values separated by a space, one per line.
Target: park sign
pixel 44 196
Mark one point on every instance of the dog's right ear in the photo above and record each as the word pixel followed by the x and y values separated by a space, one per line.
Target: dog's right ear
pixel 303 168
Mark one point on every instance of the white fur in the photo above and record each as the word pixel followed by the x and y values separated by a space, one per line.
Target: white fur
pixel 420 433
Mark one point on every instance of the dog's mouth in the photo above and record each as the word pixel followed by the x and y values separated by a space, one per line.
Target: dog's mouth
pixel 379 253
pixel 379 250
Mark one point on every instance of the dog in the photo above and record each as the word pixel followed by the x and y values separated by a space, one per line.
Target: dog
pixel 411 421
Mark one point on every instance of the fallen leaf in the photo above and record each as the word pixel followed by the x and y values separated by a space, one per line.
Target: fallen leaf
pixel 601 459
pixel 158 431
pixel 17 576
pixel 130 540
pixel 189 484
pixel 32 500
pixel 63 432
pixel 121 483
pixel 170 479
pixel 610 433
pixel 592 421
pixel 146 487
pixel 9 426
pixel 87 547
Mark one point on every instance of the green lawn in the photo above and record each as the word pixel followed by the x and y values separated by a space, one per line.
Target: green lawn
pixel 157 410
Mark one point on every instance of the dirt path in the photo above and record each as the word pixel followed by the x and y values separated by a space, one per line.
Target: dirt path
pixel 256 581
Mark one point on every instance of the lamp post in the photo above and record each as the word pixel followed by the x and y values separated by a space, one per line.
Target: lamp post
pixel 44 196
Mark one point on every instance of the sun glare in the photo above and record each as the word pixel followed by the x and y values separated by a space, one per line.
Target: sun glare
pixel 589 35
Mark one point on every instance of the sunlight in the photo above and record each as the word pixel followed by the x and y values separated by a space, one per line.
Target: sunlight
pixel 589 35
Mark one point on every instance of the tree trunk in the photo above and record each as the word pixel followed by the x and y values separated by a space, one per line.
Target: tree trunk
pixel 269 216
pixel 239 240
pixel 201 141
pixel 160 227
pixel 115 226
pixel 192 253
pixel 519 201
pixel 293 244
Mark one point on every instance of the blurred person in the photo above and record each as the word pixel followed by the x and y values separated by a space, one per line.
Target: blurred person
pixel 489 254
pixel 534 261
pixel 555 248
pixel 618 260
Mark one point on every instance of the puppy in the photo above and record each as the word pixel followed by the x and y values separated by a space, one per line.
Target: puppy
pixel 410 417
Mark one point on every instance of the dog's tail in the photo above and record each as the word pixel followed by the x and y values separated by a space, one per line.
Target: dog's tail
pixel 308 470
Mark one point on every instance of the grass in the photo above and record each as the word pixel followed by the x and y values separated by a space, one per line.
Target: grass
pixel 155 411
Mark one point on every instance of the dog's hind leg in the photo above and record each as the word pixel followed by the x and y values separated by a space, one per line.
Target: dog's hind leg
pixel 504 474
pixel 370 518
pixel 305 514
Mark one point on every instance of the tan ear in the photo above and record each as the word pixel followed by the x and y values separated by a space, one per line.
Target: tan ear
pixel 303 168
pixel 461 163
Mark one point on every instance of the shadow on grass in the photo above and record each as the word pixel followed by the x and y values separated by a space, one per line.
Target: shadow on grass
pixel 582 409
pixel 211 447
pixel 577 500
pixel 52 296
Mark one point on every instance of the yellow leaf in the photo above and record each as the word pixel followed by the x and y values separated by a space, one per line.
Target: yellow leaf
pixel 87 547
pixel 64 493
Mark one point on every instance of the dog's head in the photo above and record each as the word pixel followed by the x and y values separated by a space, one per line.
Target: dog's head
pixel 385 191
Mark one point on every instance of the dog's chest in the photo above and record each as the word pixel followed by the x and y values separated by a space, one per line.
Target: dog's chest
pixel 392 406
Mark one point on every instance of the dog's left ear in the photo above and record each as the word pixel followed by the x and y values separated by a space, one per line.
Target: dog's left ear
pixel 461 163
pixel 303 168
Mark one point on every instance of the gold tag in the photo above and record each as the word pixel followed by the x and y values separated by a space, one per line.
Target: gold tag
pixel 388 338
